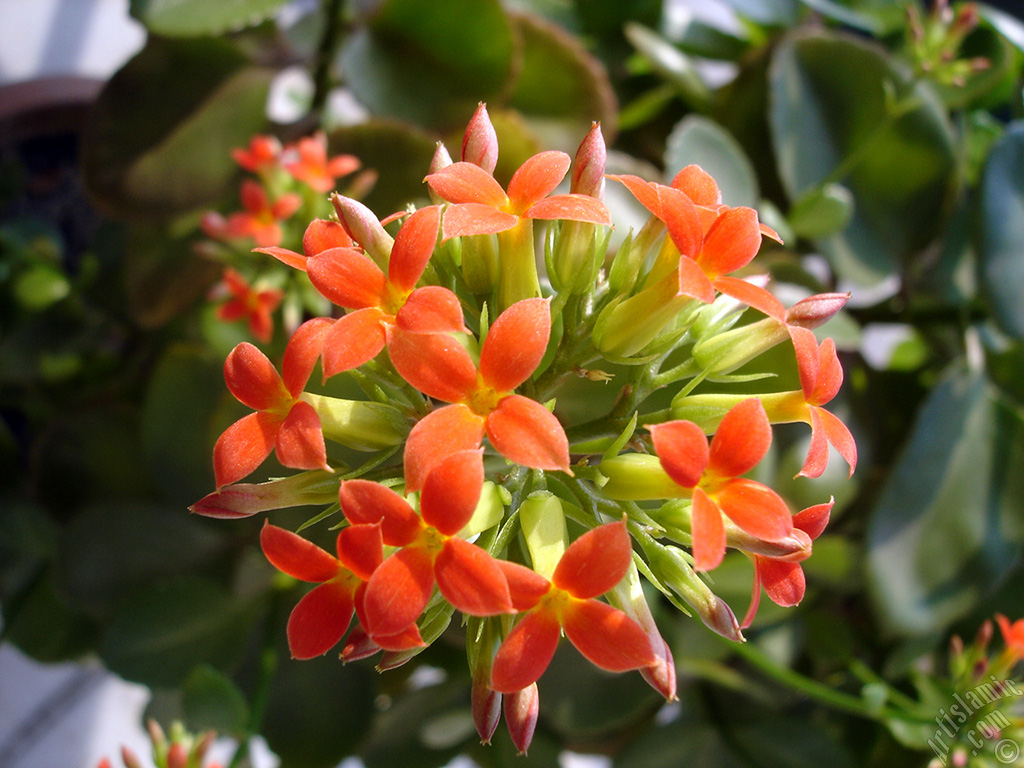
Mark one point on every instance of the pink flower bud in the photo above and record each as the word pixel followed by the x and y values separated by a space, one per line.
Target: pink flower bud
pixel 815 310
pixel 486 708
pixel 245 499
pixel 364 228
pixel 358 646
pixel 588 168
pixel 177 756
pixel 129 758
pixel 480 142
pixel 521 711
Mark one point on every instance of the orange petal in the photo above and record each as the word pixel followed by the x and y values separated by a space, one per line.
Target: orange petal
pixel 298 557
pixel 525 586
pixel 367 503
pixel 536 178
pixel 784 582
pixel 755 594
pixel 813 520
pixel 595 562
pixel 243 446
pixel 467 183
pixel 756 508
pixel 322 234
pixel 698 185
pixel 708 532
pixel 830 374
pixel 515 344
pixel 300 440
pixel 644 191
pixel 451 491
pixel 253 379
pixel 302 352
pixel 525 432
pixel 291 258
pixel 839 436
pixel 571 207
pixel 475 219
pixel 435 363
pixel 405 640
pixel 525 653
pixel 398 591
pixel 805 345
pixel 682 220
pixel 471 580
pixel 354 339
pixel 752 295
pixel 361 549
pixel 742 439
pixel 607 637
pixel 431 309
pixel 414 245
pixel 682 449
pixel 693 282
pixel 436 436
pixel 319 620
pixel 817 452
pixel 731 243
pixel 346 277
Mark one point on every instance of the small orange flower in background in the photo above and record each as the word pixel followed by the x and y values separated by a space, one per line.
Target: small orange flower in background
pixel 256 306
pixel 262 154
pixel 307 161
pixel 1013 635
pixel 262 217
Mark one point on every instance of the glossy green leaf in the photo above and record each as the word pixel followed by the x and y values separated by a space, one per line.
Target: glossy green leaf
pixel 767 12
pixel 672 64
pixel 1001 229
pixel 159 138
pixel 1007 25
pixel 162 634
pixel 843 112
pixel 948 524
pixel 822 211
pixel 878 17
pixel 698 140
pixel 191 18
pixel 411 62
pixel 212 701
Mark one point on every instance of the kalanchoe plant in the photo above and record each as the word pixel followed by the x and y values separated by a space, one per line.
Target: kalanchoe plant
pixel 500 507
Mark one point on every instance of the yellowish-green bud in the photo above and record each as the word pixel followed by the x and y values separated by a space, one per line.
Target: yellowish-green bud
pixel 727 351
pixel 670 566
pixel 357 424
pixel 543 522
pixel 626 327
pixel 488 513
pixel 637 476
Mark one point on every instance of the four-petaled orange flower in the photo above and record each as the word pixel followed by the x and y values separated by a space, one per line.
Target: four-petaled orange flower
pixel 520 429
pixel 429 549
pixel 262 153
pixel 590 566
pixel 1013 635
pixel 711 476
pixel 256 306
pixel 479 206
pixel 262 217
pixel 306 160
pixel 322 616
pixel 283 422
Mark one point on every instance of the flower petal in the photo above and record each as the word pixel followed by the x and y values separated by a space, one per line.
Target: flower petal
pixel 536 178
pixel 817 451
pixel 525 586
pixel 435 363
pixel 354 339
pixel 756 508
pixel 682 220
pixel 515 344
pixel 475 219
pixel 467 183
pixel 525 432
pixel 367 503
pixel 784 582
pixel 319 620
pixel 595 562
pixel 436 436
pixel 526 652
pixel 731 243
pixel 708 532
pixel 300 440
pixel 693 282
pixel 698 185
pixel 291 258
pixel 607 637
pixel 752 295
pixel 571 207
pixel 805 346
pixel 405 640
pixel 414 245
pixel 471 580
pixel 398 591
pixel 451 491
pixel 813 520
pixel 431 309
pixel 322 234
pixel 298 557
pixel 302 352
pixel 361 549
pixel 742 439
pixel 253 379
pixel 346 277
pixel 682 449
pixel 830 374
pixel 243 447
pixel 839 436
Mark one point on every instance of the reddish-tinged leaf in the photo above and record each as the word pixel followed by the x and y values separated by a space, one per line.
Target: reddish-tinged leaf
pixel 435 363
pixel 595 562
pixel 571 207
pixel 367 503
pixel 830 374
pixel 698 185
pixel 398 591
pixel 319 620
pixel 607 637
pixel 253 379
pixel 302 352
pixel 813 520
pixel 682 449
pixel 526 652
pixel 693 282
pixel 784 582
pixel 431 309
pixel 682 220
pixel 291 258
pixel 471 580
pixel 451 491
pixel 353 339
pixel 756 508
pixel 298 557
pixel 322 234
pixel 839 436
pixel 817 452
pixel 347 277
pixel 752 295
pixel 525 432
pixel 525 586
pixel 414 245
pixel 742 440
pixel 708 532
pixel 467 183
pixel 300 440
pixel 436 436
pixel 243 446
pixel 537 178
pixel 515 344
pixel 361 549
pixel 731 243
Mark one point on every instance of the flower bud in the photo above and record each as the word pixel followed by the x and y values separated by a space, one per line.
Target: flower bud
pixel 637 476
pixel 727 351
pixel 588 168
pixel 485 703
pixel 441 159
pixel 359 645
pixel 490 510
pixel 543 523
pixel 816 310
pixel 357 424
pixel 244 499
pixel 129 758
pixel 177 756
pixel 669 565
pixel 480 142
pixel 624 328
pixel 364 228
pixel 521 711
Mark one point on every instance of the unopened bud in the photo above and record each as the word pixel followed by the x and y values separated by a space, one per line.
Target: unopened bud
pixel 244 499
pixel 543 523
pixel 727 351
pixel 638 476
pixel 480 142
pixel 364 228
pixel 521 711
pixel 441 159
pixel 129 758
pixel 359 645
pixel 816 310
pixel 485 704
pixel 589 164
pixel 177 756
pixel 625 328
pixel 357 424
pixel 670 566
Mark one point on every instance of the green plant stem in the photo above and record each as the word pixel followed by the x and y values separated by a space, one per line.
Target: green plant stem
pixel 325 53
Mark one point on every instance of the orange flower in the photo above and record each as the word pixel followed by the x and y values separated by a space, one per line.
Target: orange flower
pixel 320 235
pixel 711 476
pixel 592 565
pixel 262 153
pixel 261 218
pixel 306 160
pixel 283 422
pixel 256 306
pixel 520 429
pixel 1013 635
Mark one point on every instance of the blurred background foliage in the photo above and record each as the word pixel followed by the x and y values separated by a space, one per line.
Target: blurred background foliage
pixel 882 138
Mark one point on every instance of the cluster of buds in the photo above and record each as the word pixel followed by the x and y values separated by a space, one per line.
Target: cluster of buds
pixel 529 527
pixel 179 750
pixel 934 41
pixel 286 190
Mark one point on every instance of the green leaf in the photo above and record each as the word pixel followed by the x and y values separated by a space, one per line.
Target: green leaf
pixel 161 635
pixel 412 63
pixel 879 17
pixel 1005 24
pixel 843 112
pixel 948 524
pixel 777 13
pixel 672 64
pixel 698 140
pixel 213 701
pixel 192 18
pixel 159 138
pixel 1001 230
pixel 44 627
pixel 822 211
